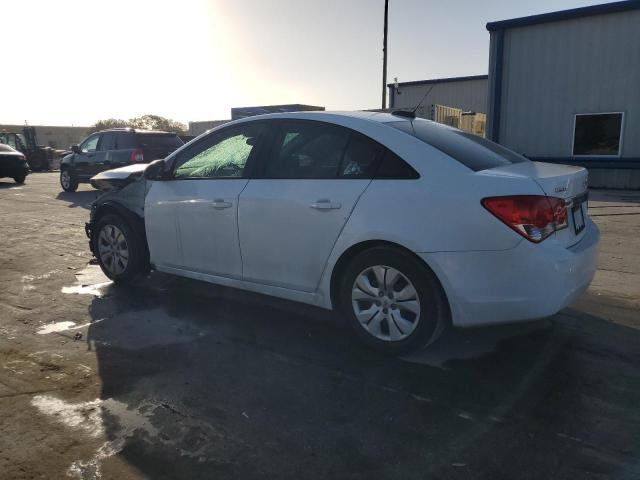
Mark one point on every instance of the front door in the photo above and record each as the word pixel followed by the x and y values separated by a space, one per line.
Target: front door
pixel 192 218
pixel 292 213
pixel 84 162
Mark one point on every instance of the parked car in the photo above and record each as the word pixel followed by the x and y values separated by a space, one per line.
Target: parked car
pixel 114 148
pixel 13 164
pixel 402 224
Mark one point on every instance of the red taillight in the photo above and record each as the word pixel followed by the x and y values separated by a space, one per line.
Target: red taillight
pixel 137 156
pixel 535 217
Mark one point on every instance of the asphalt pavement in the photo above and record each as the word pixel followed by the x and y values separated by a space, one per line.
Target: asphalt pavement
pixel 171 378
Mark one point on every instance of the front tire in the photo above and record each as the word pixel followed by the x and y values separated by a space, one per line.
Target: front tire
pixel 118 248
pixel 67 181
pixel 20 178
pixel 393 302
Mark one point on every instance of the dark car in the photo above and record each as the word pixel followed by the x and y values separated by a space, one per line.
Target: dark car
pixel 13 164
pixel 114 148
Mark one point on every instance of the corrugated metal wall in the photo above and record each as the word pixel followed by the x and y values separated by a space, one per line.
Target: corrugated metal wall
pixel 552 71
pixel 468 95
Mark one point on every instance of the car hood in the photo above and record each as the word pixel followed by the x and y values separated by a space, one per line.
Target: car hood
pixel 118 177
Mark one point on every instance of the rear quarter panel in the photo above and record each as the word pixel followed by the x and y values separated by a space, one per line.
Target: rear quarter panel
pixel 439 212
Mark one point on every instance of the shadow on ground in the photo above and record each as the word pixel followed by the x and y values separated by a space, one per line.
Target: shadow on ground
pixel 81 199
pixel 226 384
pixel 9 183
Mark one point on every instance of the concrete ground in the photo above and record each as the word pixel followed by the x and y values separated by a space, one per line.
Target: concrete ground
pixel 172 378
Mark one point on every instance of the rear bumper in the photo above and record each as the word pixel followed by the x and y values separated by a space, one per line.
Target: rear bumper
pixel 14 170
pixel 524 283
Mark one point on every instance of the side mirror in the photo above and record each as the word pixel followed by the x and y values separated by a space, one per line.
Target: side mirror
pixel 155 170
pixel 75 148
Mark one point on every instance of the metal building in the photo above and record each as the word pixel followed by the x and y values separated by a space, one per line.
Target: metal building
pixel 564 87
pixel 465 93
pixel 197 128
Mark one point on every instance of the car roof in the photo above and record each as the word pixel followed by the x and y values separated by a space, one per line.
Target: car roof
pixel 378 117
pixel 137 130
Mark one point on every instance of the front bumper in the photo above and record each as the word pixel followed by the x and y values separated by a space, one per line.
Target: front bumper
pixel 527 282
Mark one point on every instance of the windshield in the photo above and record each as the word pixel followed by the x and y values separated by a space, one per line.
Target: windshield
pixel 472 151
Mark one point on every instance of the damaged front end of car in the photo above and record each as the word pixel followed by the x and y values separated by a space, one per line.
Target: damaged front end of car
pixel 124 190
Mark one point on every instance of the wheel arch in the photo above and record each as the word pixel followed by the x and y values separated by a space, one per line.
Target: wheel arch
pixel 346 256
pixel 114 208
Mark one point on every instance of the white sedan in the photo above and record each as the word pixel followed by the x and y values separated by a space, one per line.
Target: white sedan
pixel 402 224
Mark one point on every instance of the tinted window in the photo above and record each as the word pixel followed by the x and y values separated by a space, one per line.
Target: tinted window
pixel 307 150
pixel 126 141
pixel 474 152
pixel 90 144
pixel 359 158
pixel 223 154
pixel 393 167
pixel 108 141
pixel 597 134
pixel 157 140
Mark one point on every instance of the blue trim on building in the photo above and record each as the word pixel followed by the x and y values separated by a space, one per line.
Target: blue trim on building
pixel 593 162
pixel 440 80
pixel 601 9
pixel 497 88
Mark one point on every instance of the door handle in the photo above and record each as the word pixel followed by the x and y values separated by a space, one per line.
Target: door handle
pixel 325 204
pixel 219 204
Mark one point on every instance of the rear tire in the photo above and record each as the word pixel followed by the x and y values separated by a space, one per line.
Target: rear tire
pixel 118 248
pixel 393 302
pixel 67 181
pixel 19 178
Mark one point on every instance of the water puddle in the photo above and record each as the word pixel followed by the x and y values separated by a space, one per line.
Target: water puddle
pixel 89 281
pixel 122 423
pixel 64 326
pixel 42 276
pixel 86 289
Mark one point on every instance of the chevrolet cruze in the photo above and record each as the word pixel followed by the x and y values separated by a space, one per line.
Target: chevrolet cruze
pixel 402 224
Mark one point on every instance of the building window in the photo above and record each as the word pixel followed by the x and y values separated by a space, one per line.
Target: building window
pixel 597 134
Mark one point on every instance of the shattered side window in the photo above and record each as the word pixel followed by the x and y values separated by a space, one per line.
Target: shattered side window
pixel 224 156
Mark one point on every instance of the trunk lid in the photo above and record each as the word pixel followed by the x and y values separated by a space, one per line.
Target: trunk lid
pixel 562 181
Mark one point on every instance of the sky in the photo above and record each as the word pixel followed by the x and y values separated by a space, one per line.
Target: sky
pixel 75 62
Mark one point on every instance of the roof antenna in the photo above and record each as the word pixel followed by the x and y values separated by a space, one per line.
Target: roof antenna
pixel 412 113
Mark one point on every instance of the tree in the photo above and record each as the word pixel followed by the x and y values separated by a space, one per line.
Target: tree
pixel 145 122
pixel 156 122
pixel 108 123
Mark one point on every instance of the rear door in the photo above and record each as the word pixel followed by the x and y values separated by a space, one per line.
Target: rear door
pixel 120 153
pixel 192 219
pixel 84 162
pixel 290 216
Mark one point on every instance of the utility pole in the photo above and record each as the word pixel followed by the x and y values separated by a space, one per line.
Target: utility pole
pixel 384 55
